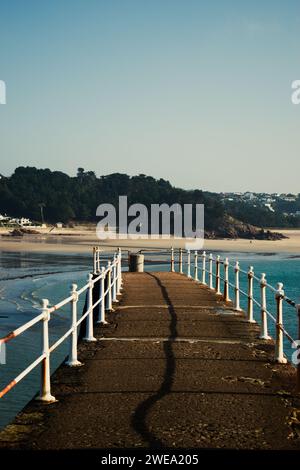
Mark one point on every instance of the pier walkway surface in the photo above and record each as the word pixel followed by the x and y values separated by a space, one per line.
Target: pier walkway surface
pixel 176 366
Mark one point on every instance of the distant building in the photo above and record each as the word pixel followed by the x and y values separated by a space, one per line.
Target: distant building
pixel 288 197
pixel 24 221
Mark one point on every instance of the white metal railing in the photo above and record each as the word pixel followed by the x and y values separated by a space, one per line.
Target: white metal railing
pixel 109 278
pixel 211 276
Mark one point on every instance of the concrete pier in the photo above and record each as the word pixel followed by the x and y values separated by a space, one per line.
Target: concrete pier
pixel 175 367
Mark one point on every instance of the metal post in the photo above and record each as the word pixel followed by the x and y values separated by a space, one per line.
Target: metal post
pixel 263 303
pixel 204 267
pixel 72 359
pixel 250 296
pixel 180 260
pixel 114 280
pixel 196 265
pixel 119 282
pixel 45 392
pixel 94 259
pixel 98 260
pixel 226 281
pixel 89 334
pixel 188 263
pixel 237 287
pixel 108 299
pixel 279 356
pixel 172 260
pixel 102 297
pixel 218 291
pixel 210 272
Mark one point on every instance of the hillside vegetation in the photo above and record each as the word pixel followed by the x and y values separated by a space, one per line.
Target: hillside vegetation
pixel 66 199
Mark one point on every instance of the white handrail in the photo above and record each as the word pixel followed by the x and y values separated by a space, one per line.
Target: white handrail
pixel 279 295
pixel 112 274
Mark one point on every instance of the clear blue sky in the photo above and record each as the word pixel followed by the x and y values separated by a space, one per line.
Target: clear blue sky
pixel 195 92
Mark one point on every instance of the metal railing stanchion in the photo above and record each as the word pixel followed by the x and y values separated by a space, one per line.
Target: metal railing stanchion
pixel 196 265
pixel 172 261
pixel 218 291
pixel 89 334
pixel 45 392
pixel 279 356
pixel 72 359
pixel 188 263
pixel 250 317
pixel 108 298
pixel 210 275
pixel 204 268
pixel 180 260
pixel 226 281
pixel 101 319
pixel 263 309
pixel 237 287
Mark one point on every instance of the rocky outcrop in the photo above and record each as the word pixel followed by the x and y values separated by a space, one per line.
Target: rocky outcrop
pixel 233 228
pixel 19 232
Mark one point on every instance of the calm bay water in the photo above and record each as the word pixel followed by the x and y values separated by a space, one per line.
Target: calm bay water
pixel 26 278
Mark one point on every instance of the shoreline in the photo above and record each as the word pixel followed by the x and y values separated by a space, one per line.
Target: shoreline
pixel 81 240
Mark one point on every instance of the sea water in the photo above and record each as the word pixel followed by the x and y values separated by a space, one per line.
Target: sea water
pixel 27 278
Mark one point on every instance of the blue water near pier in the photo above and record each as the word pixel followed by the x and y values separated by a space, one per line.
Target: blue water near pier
pixel 26 278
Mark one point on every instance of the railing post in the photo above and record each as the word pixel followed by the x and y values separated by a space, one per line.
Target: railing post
pixel 226 281
pixel 180 260
pixel 45 392
pixel 237 287
pixel 72 359
pixel 102 297
pixel 298 351
pixel 108 298
pixel 204 267
pixel 119 282
pixel 250 296
pixel 89 334
pixel 172 260
pixel 188 263
pixel 263 303
pixel 94 259
pixel 114 280
pixel 218 291
pixel 98 260
pixel 210 276
pixel 279 356
pixel 196 265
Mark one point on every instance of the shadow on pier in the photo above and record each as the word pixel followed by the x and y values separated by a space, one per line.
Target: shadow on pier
pixel 175 367
pixel 139 418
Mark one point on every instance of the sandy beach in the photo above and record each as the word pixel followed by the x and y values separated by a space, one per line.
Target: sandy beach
pixel 82 238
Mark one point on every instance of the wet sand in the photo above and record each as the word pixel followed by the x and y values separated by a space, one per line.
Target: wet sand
pixel 81 240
